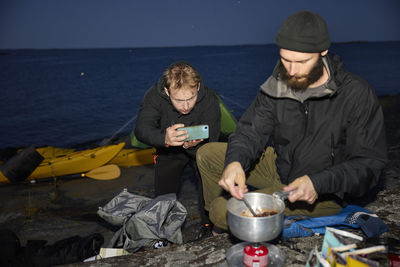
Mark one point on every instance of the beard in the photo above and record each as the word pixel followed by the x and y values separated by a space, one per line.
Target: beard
pixel 301 83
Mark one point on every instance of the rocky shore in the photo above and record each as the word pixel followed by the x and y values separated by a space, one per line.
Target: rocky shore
pixel 48 212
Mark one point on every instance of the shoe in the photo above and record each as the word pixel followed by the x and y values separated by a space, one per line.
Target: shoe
pixel 204 231
pixel 217 231
pixel 161 243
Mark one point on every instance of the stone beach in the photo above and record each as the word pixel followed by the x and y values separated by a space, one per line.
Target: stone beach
pixel 45 211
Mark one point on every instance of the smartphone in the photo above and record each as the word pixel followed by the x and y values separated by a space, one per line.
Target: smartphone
pixel 196 132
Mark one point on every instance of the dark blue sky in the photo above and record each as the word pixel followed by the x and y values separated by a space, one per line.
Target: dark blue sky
pixel 149 23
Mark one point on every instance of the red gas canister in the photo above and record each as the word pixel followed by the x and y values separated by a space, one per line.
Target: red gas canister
pixel 255 256
pixel 394 260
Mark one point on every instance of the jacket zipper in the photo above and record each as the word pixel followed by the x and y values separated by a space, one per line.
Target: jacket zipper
pixel 306 111
pixel 306 119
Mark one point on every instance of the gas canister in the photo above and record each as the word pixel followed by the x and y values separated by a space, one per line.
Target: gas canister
pixel 255 256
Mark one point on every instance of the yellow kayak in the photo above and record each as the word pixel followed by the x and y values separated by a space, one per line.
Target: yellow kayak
pixel 127 157
pixel 133 157
pixel 73 162
pixel 54 152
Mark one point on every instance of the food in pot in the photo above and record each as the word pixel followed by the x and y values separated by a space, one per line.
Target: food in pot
pixel 260 213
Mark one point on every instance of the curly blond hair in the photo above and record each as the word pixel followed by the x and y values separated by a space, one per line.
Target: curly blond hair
pixel 181 74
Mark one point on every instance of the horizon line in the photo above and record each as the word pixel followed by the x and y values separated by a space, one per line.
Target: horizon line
pixel 182 46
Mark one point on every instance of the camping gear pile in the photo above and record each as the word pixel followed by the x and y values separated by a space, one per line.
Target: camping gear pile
pixel 339 248
pixel 345 249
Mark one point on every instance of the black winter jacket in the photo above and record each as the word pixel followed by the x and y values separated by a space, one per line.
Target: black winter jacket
pixel 156 114
pixel 336 137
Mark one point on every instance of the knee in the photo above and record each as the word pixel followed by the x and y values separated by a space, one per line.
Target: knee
pixel 218 213
pixel 202 152
pixel 205 152
pixel 210 150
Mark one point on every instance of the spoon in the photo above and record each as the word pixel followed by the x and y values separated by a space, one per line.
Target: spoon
pixel 249 207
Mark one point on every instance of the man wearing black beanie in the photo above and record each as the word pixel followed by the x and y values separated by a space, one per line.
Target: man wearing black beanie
pixel 314 129
pixel 304 32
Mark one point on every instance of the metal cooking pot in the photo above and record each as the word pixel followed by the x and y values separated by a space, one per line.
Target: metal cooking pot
pixel 256 229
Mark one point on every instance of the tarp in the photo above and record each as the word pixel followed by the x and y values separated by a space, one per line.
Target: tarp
pixel 144 221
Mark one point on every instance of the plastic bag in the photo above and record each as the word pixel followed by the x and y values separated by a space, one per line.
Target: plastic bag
pixel 145 221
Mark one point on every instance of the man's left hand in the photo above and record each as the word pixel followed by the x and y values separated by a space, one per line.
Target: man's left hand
pixel 191 143
pixel 305 190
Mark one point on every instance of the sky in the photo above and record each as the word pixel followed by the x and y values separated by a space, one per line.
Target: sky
pixel 47 24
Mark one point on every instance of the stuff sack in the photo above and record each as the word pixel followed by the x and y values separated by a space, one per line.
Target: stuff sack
pixel 124 205
pixel 21 165
pixel 144 221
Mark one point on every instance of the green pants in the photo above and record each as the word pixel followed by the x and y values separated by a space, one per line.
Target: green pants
pixel 210 161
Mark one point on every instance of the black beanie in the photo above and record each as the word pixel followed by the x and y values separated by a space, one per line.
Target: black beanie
pixel 304 32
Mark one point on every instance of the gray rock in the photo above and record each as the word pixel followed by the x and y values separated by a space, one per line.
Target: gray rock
pixel 44 211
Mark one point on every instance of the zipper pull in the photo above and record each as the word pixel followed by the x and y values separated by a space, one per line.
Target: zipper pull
pixel 306 109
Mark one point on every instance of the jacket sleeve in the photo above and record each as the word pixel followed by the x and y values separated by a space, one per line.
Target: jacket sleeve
pixel 365 151
pixel 254 128
pixel 147 127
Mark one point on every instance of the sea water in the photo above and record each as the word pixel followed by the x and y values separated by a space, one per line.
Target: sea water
pixel 69 97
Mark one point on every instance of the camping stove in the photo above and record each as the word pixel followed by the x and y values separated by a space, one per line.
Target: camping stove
pixel 238 255
pixel 255 231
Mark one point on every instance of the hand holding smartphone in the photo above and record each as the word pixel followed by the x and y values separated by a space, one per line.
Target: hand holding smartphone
pixel 196 132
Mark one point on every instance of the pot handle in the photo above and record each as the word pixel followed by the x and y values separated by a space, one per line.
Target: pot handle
pixel 282 195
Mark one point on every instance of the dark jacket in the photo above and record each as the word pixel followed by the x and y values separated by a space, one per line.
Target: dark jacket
pixel 156 113
pixel 336 137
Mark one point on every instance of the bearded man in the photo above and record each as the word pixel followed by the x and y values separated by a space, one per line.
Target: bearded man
pixel 314 128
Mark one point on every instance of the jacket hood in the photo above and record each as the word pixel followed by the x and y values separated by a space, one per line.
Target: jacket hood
pixel 275 87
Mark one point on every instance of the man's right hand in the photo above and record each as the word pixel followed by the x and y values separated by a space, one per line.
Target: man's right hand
pixel 173 137
pixel 233 180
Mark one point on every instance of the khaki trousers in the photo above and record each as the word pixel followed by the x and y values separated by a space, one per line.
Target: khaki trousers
pixel 210 161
